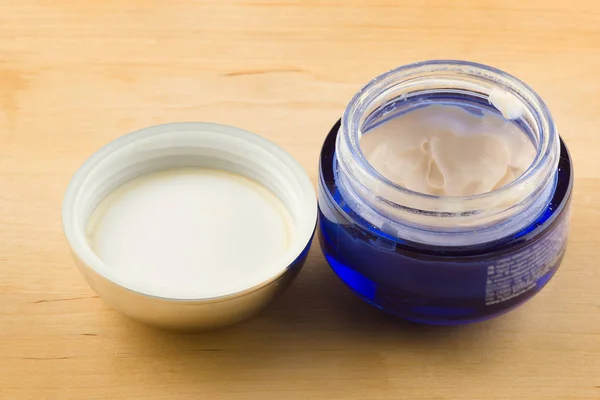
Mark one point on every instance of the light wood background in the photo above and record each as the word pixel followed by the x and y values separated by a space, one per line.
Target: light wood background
pixel 76 74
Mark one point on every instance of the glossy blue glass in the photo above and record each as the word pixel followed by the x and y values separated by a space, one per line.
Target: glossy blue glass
pixel 441 284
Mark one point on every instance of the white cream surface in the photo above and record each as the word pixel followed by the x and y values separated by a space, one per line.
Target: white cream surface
pixel 191 232
pixel 445 150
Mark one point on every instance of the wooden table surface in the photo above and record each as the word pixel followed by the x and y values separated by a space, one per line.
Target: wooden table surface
pixel 77 74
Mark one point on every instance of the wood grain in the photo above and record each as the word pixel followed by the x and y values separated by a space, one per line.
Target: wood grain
pixel 76 74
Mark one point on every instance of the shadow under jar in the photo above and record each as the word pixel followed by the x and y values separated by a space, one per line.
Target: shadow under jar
pixel 435 259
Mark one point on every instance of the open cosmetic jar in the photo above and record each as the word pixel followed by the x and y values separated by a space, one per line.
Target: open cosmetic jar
pixel 189 225
pixel 435 258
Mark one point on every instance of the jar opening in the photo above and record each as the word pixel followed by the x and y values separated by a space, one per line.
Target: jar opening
pixel 447 145
pixel 384 202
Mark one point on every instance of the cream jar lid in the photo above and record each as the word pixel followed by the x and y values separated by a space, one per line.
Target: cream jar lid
pixel 190 144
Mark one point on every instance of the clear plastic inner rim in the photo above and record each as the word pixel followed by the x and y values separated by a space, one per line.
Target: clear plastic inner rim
pixel 189 145
pixel 445 220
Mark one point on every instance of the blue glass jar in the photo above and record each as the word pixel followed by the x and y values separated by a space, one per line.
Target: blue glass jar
pixel 482 255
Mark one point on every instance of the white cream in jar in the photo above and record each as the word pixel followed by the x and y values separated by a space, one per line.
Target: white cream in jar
pixel 446 150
